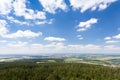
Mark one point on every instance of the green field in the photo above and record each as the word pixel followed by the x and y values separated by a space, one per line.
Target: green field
pixel 92 59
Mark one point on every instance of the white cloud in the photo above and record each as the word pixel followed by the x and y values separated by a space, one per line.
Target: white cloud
pixel 83 26
pixel 13 20
pixel 112 41
pixel 55 47
pixel 90 48
pixel 84 5
pixel 37 22
pixel 21 34
pixel 20 9
pixel 107 38
pixel 3 29
pixel 80 37
pixel 111 49
pixel 26 48
pixel 58 47
pixel 103 6
pixel 5 6
pixel 52 5
pixel 47 48
pixel 17 44
pixel 32 15
pixel 54 39
pixel 29 23
pixel 117 36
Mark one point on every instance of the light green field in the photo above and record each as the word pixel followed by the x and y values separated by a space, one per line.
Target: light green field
pixel 69 60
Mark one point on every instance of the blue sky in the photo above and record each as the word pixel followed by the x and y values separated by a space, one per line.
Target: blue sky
pixel 59 26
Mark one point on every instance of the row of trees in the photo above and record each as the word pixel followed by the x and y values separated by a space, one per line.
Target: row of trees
pixel 57 71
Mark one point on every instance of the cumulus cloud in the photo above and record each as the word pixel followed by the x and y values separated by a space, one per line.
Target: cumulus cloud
pixel 80 37
pixel 117 36
pixel 13 20
pixel 25 47
pixel 17 44
pixel 55 47
pixel 107 38
pixel 111 49
pixel 82 48
pixel 84 5
pixel 20 9
pixel 52 5
pixel 29 23
pixel 83 26
pixel 54 39
pixel 3 29
pixel 19 34
pixel 5 6
pixel 37 22
pixel 23 34
pixel 112 39
pixel 58 47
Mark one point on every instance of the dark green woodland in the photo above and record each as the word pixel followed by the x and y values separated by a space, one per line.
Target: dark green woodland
pixel 57 71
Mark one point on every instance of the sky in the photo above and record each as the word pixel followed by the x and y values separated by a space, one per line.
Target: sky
pixel 59 26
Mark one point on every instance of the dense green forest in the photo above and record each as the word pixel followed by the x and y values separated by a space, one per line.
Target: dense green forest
pixel 57 71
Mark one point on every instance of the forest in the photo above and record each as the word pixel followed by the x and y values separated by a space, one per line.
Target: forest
pixel 57 71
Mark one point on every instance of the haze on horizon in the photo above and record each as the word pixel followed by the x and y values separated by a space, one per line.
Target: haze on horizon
pixel 59 26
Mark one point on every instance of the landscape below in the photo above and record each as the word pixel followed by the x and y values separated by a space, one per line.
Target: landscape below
pixel 60 67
